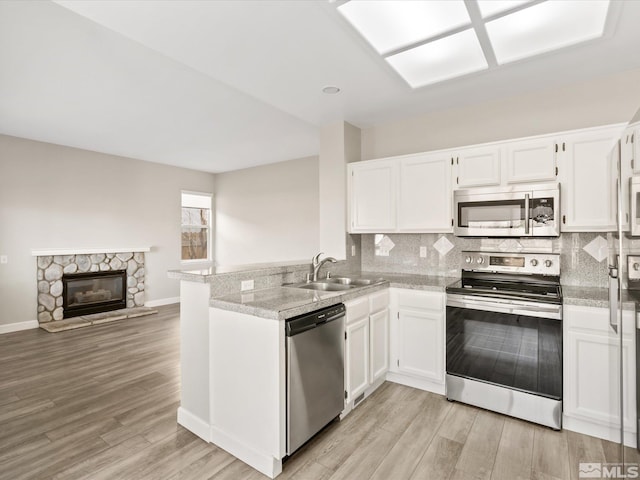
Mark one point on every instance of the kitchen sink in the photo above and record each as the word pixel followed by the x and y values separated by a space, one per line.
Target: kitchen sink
pixel 337 284
pixel 326 286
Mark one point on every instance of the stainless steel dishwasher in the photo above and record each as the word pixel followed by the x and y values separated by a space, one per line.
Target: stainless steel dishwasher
pixel 315 373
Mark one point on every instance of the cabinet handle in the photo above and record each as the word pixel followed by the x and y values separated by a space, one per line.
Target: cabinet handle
pixel 556 148
pixel 563 149
pixel 457 180
pixel 564 219
pixel 556 171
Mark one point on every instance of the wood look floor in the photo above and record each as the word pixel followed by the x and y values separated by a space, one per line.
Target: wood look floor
pixel 100 403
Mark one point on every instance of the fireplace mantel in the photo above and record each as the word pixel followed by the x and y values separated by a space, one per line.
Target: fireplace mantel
pixel 86 251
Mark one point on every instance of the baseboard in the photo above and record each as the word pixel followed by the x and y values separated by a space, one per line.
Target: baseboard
pixel 606 432
pixel 18 326
pixel 194 424
pixel 162 301
pixel 419 383
pixel 265 464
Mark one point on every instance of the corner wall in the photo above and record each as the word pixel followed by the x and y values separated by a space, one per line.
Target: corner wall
pixel 53 196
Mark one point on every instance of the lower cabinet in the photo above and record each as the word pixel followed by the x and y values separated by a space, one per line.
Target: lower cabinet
pixel 591 403
pixel 366 345
pixel 418 333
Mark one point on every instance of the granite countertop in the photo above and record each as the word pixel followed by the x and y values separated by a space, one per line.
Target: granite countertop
pixel 593 297
pixel 205 273
pixel 284 302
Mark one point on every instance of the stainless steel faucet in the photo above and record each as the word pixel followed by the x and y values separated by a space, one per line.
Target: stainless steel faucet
pixel 316 263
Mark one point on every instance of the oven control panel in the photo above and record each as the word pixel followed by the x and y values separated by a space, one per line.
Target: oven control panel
pixel 529 263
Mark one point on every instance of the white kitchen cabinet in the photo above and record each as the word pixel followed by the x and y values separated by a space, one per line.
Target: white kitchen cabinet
pixel 372 196
pixel 366 345
pixel 591 373
pixel 531 160
pixel 418 339
pixel 588 174
pixel 357 355
pixel 379 342
pixel 478 166
pixel 632 139
pixel 425 193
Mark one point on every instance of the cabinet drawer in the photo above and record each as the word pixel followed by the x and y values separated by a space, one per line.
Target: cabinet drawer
pixel 596 320
pixel 421 300
pixel 378 301
pixel 357 309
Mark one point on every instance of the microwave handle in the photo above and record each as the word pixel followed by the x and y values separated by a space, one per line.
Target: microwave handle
pixel 526 214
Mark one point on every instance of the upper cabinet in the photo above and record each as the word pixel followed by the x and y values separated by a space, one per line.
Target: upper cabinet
pixel 478 167
pixel 372 194
pixel 588 174
pixel 532 160
pixel 424 193
pixel 414 193
pixel 404 194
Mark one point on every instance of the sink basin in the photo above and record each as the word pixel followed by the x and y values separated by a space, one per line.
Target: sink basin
pixel 356 282
pixel 325 286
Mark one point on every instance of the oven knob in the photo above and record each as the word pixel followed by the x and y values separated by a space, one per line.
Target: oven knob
pixel 548 263
pixel 534 263
pixel 468 259
pixel 480 260
pixel 636 266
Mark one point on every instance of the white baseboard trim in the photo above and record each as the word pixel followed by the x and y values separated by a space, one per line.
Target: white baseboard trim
pixel 162 301
pixel 592 429
pixel 18 326
pixel 194 424
pixel 414 382
pixel 265 464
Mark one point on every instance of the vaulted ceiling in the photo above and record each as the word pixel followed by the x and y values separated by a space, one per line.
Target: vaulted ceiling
pixel 223 85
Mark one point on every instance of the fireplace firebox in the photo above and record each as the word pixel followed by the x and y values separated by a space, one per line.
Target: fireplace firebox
pixel 93 292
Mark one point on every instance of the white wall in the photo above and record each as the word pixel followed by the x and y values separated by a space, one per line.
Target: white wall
pixel 610 99
pixel 60 197
pixel 268 213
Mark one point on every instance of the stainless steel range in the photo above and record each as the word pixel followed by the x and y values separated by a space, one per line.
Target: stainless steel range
pixel 504 335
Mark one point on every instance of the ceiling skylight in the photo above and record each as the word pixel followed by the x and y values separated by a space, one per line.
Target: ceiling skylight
pixel 545 27
pixel 492 7
pixel 392 24
pixel 449 57
pixel 428 41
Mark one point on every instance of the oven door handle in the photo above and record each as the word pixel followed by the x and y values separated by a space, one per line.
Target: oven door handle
pixel 545 311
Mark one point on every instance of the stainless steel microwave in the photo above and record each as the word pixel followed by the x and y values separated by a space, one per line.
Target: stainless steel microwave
pixel 516 211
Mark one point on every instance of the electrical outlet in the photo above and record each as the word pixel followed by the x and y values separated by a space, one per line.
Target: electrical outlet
pixel 353 250
pixel 423 252
pixel 246 285
pixel 4 259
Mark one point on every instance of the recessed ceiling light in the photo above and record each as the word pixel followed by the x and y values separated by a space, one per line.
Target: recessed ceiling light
pixel 439 60
pixel 330 90
pixel 391 24
pixel 492 7
pixel 546 26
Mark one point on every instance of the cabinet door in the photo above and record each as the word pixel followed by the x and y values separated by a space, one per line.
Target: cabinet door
pixel 478 167
pixel 634 141
pixel 421 344
pixel 591 368
pixel 379 344
pixel 588 175
pixel 357 354
pixel 425 194
pixel 372 194
pixel 531 161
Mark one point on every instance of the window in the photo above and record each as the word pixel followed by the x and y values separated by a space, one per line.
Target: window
pixel 196 226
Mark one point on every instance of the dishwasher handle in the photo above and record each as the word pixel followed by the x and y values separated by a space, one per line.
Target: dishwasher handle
pixel 308 321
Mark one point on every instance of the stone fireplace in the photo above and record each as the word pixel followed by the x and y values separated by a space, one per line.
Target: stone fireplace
pixel 52 269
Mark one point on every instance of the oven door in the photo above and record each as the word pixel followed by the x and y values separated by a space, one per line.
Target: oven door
pixel 512 344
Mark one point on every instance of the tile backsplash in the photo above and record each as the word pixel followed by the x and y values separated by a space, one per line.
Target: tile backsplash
pixel 578 266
